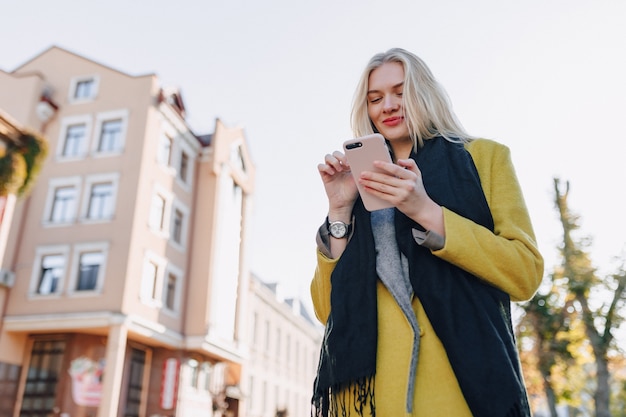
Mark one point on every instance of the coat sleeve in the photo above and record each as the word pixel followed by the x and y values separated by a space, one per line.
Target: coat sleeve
pixel 508 257
pixel 320 286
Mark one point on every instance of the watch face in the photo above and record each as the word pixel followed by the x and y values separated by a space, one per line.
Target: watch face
pixel 338 229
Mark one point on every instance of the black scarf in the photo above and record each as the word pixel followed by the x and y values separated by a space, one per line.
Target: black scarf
pixel 471 318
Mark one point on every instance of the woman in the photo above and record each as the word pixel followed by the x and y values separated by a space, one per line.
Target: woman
pixel 416 298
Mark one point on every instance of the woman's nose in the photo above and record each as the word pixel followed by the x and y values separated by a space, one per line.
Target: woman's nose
pixel 390 103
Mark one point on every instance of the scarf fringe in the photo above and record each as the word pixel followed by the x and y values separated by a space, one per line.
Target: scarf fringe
pixel 341 400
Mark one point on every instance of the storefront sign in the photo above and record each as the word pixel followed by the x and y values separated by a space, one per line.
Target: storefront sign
pixel 86 381
pixel 169 383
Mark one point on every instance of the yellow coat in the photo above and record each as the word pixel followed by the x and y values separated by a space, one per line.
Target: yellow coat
pixel 508 258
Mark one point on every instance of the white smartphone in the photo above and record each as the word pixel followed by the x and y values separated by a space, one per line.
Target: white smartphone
pixel 361 154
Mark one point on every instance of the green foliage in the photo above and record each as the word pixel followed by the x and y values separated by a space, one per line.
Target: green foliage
pixel 21 163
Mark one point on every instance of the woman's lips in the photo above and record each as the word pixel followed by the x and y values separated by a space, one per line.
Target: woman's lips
pixel 392 121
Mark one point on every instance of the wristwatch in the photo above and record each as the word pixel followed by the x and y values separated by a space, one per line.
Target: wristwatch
pixel 339 229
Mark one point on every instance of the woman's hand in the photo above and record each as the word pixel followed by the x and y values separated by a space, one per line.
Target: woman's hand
pixel 402 186
pixel 340 187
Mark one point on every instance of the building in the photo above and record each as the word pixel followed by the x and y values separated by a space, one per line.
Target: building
pixel 128 254
pixel 284 351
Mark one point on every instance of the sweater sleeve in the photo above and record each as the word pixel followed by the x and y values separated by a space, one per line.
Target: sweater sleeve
pixel 320 286
pixel 508 257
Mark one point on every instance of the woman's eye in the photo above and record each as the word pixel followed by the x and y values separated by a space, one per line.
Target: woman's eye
pixel 374 100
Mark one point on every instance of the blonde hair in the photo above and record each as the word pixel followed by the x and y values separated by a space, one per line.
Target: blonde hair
pixel 427 108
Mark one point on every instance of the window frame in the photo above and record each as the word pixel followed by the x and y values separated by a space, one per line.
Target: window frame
pixel 165 138
pixel 171 269
pixel 101 120
pixel 76 81
pixel 90 182
pixel 178 205
pixel 166 217
pixel 65 125
pixel 53 185
pixel 182 148
pixel 151 294
pixel 40 253
pixel 77 251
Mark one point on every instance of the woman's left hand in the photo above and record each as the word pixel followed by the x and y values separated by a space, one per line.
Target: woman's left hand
pixel 401 184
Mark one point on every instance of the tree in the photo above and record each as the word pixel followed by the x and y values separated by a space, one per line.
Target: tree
pixel 600 319
pixel 544 329
pixel 566 333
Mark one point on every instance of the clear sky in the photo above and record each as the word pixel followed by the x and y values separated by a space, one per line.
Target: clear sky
pixel 544 77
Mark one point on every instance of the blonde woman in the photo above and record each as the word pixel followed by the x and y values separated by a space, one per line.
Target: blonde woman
pixel 416 298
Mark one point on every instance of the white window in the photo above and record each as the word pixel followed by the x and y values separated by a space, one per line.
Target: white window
pixel 62 201
pixel 160 206
pixel 63 205
pixel 100 201
pixel 179 224
pixel 110 132
pixel 49 270
pixel 152 280
pixel 83 88
pixel 74 137
pixel 88 267
pixel 164 155
pixel 100 197
pixel 52 267
pixel 157 212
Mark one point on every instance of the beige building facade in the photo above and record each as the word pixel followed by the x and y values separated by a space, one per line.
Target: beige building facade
pixel 284 352
pixel 130 281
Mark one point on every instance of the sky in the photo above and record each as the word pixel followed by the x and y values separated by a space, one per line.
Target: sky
pixel 544 77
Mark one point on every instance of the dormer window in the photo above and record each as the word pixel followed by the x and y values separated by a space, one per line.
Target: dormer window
pixel 83 89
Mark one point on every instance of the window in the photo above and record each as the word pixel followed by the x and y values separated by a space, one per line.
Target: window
pixel 172 288
pixel 51 272
pixel 157 212
pixel 84 88
pixel 44 371
pixel 99 197
pixel 75 137
pixel 63 205
pixel 150 279
pixel 165 150
pixel 111 132
pixel 62 201
pixel 170 291
pixel 9 383
pixel 152 285
pixel 110 136
pixel 88 268
pixel 134 391
pixel 100 201
pixel 177 226
pixel 183 168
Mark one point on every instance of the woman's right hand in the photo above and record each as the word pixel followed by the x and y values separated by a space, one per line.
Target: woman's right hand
pixel 338 182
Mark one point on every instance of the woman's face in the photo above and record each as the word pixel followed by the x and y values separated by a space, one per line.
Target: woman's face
pixel 384 102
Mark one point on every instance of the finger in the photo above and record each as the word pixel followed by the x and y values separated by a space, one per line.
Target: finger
pixel 408 164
